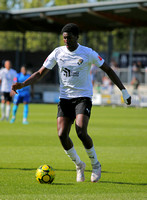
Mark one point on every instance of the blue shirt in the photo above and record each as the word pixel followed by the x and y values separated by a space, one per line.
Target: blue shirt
pixel 21 78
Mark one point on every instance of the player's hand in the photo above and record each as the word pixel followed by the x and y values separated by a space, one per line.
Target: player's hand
pixel 17 86
pixel 12 93
pixel 126 97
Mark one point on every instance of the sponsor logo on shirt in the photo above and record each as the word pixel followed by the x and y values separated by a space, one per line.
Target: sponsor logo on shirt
pixel 67 72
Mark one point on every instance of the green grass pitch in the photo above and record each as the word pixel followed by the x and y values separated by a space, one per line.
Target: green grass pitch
pixel 120 139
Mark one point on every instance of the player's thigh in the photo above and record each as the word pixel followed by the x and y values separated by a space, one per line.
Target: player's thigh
pixel 63 126
pixel 17 99
pixel 8 98
pixel 26 99
pixel 83 106
pixel 83 111
pixel 66 109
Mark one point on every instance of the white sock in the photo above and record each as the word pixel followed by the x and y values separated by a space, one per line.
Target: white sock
pixel 92 155
pixel 73 155
pixel 3 109
pixel 8 108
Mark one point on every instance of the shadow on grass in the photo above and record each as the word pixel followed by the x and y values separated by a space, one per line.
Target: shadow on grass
pixel 123 183
pixel 70 170
pixel 63 184
pixel 24 169
pixel 74 170
pixel 64 170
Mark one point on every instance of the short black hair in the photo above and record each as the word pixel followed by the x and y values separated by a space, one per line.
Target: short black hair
pixel 73 28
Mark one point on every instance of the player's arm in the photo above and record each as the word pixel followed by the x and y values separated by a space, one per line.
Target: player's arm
pixel 0 77
pixel 115 79
pixel 32 90
pixel 32 79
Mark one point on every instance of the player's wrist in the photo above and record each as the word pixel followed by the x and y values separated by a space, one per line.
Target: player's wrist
pixel 126 96
pixel 125 93
pixel 23 84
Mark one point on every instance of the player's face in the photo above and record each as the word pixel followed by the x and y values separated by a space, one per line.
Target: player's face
pixel 70 41
pixel 7 64
pixel 23 70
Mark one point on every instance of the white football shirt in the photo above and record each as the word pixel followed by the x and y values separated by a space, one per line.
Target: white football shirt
pixel 7 76
pixel 74 70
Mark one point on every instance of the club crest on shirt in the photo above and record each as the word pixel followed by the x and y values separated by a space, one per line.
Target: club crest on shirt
pixel 80 61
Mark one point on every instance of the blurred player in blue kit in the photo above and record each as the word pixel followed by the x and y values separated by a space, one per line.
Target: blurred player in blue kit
pixel 23 96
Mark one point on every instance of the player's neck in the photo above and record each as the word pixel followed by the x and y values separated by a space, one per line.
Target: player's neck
pixel 73 47
pixel 8 69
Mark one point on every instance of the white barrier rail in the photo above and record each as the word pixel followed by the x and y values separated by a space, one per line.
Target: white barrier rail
pixel 123 75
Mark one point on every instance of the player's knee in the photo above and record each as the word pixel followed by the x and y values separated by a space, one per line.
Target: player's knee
pixel 2 101
pixel 81 132
pixel 62 134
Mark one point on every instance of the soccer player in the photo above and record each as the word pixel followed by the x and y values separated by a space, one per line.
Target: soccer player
pixel 23 96
pixel 7 76
pixel 74 62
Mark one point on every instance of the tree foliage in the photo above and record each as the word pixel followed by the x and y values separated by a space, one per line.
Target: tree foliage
pixel 43 41
pixel 9 4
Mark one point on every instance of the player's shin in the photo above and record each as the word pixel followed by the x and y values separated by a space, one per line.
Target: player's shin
pixel 92 155
pixel 14 110
pixel 15 107
pixel 96 166
pixel 8 108
pixel 2 111
pixel 80 166
pixel 73 155
pixel 25 112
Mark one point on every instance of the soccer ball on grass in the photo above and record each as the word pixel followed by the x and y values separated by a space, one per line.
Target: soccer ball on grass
pixel 45 174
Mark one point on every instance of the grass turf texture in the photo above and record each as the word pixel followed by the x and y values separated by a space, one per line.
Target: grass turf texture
pixel 119 136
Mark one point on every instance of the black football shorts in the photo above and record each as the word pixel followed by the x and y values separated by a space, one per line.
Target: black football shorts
pixel 6 96
pixel 72 107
